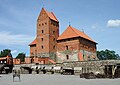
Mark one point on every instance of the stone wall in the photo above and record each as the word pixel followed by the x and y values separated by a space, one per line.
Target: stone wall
pixel 62 56
pixel 91 66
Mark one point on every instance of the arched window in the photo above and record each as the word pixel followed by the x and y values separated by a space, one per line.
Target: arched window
pixel 66 47
pixel 54 47
pixel 42 47
pixel 41 39
pixel 42 31
pixel 67 57
pixel 53 32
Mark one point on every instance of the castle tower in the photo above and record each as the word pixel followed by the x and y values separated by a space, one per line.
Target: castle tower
pixel 47 34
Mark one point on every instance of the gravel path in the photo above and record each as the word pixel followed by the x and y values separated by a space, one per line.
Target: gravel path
pixel 45 79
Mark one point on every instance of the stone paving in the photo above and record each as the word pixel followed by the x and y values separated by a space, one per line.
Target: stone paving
pixel 56 79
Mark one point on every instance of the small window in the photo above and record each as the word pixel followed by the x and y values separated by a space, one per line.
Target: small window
pixel 39 24
pixel 42 31
pixel 54 39
pixel 53 32
pixel 42 24
pixel 45 23
pixel 54 47
pixel 67 57
pixel 42 46
pixel 41 39
pixel 66 47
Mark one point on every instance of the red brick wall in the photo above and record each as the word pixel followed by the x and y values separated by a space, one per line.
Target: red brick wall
pixel 42 32
pixel 47 34
pixel 33 50
pixel 87 45
pixel 27 60
pixel 16 61
pixel 37 60
pixel 54 33
pixel 41 60
pixel 76 44
pixel 72 45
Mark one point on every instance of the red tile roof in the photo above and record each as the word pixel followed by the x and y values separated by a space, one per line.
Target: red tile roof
pixel 3 58
pixel 53 62
pixel 51 15
pixel 71 32
pixel 33 42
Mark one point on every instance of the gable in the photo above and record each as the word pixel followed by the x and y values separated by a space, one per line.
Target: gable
pixel 45 14
pixel 33 42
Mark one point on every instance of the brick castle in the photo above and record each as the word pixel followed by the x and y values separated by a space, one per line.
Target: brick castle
pixel 50 47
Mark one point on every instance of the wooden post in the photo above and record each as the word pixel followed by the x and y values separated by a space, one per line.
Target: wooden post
pixel 113 71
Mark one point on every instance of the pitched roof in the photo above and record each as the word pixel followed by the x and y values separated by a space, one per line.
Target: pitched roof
pixel 33 42
pixel 3 58
pixel 51 15
pixel 71 32
pixel 52 61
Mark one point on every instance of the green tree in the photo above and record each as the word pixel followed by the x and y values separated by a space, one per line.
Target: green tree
pixel 107 55
pixel 21 56
pixel 5 52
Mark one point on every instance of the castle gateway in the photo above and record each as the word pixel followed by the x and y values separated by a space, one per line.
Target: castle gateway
pixel 50 47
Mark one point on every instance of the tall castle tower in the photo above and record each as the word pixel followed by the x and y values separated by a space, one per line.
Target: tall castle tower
pixel 45 44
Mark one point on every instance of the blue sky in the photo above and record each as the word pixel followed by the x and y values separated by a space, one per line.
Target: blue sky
pixel 100 19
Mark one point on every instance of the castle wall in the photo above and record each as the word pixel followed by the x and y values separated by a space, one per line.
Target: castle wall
pixel 76 49
pixel 67 50
pixel 33 51
pixel 91 66
pixel 16 61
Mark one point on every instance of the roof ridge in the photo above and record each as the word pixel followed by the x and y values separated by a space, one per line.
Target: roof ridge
pixel 50 15
pixel 45 11
pixel 54 15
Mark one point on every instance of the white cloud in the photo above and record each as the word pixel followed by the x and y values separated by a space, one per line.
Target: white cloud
pixel 14 51
pixel 113 23
pixel 7 38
